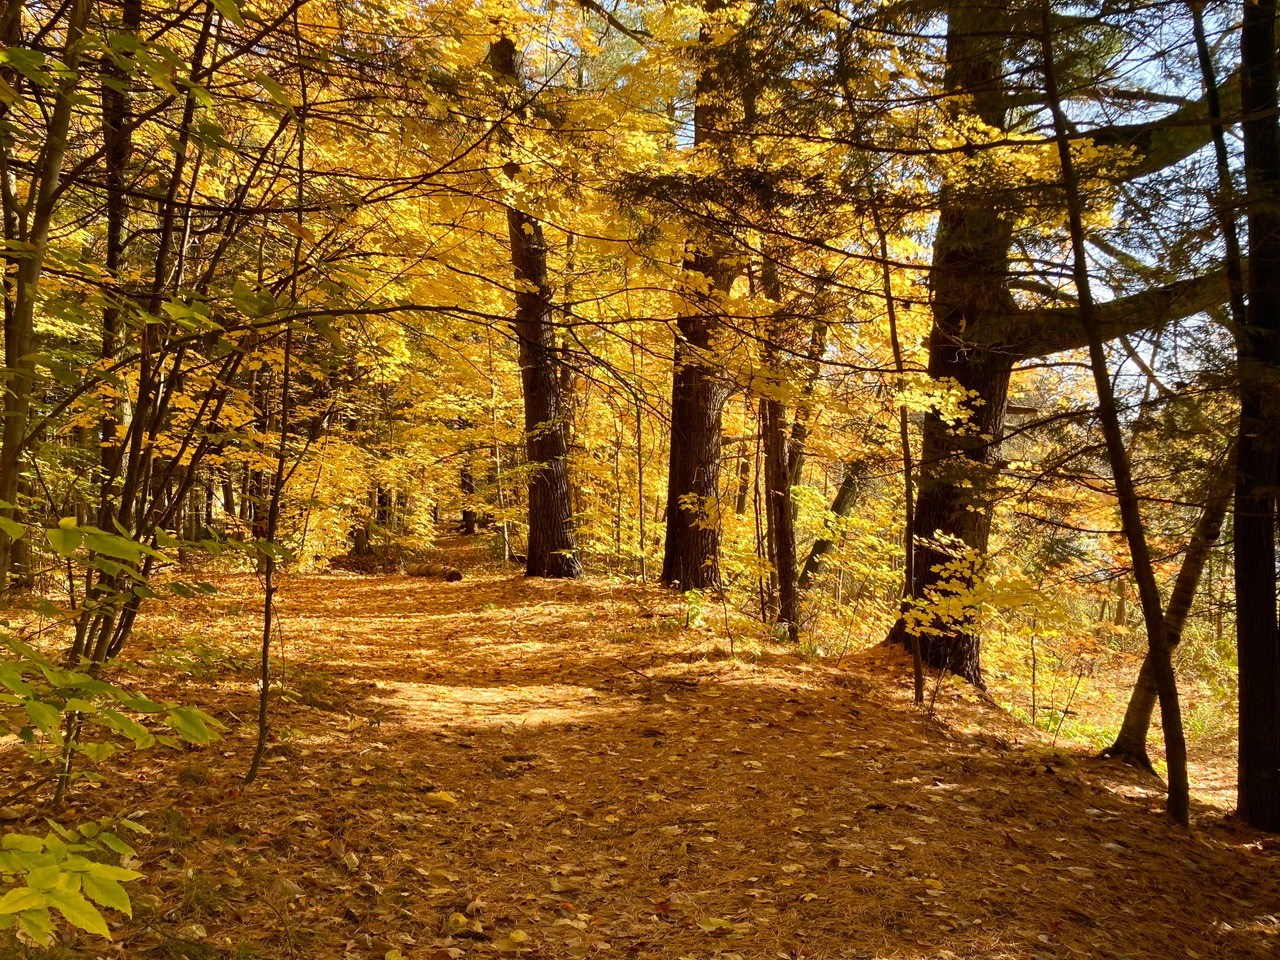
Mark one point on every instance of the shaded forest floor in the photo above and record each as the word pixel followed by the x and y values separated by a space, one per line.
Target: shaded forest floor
pixel 502 767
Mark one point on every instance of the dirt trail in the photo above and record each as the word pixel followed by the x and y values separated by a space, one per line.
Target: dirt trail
pixel 501 767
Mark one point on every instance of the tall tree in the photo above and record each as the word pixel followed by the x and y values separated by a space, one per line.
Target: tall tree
pixel 1159 644
pixel 699 387
pixel 29 202
pixel 980 332
pixel 1258 443
pixel 552 549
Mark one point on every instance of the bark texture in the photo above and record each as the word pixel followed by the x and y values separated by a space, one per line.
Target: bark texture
pixel 979 334
pixel 781 518
pixel 969 292
pixel 698 389
pixel 698 395
pixel 552 550
pixel 1258 452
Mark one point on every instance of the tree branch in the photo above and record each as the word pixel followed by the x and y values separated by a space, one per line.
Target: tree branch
pixel 1047 330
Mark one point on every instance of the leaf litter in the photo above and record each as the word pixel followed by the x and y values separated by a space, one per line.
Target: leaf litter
pixel 505 767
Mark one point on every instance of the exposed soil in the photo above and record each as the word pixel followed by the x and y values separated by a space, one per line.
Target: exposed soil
pixel 502 767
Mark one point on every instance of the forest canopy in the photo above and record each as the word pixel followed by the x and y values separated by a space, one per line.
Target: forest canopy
pixel 954 325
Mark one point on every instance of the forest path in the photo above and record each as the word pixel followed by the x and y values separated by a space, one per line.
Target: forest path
pixel 504 767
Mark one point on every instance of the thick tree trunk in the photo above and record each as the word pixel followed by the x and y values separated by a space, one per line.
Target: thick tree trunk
pixel 691 553
pixel 969 283
pixel 698 394
pixel 957 480
pixel 1258 454
pixel 552 550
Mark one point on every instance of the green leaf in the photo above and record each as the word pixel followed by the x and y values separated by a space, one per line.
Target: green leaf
pixel 37 925
pixel 23 842
pixel 106 892
pixel 45 716
pixel 192 724
pixel 98 752
pixel 64 540
pixel 115 844
pixel 67 835
pixel 79 912
pixel 110 545
pixel 43 879
pixel 11 678
pixel 252 302
pixel 104 871
pixel 127 726
pixel 14 529
pixel 22 898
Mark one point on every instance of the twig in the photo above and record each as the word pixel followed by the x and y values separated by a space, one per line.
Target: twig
pixel 677 681
pixel 4 802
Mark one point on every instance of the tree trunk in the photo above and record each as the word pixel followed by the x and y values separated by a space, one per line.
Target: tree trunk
pixel 698 391
pixel 698 394
pixel 780 517
pixel 467 484
pixel 957 479
pixel 1258 453
pixel 1158 641
pixel 552 550
pixel 27 238
pixel 969 283
pixel 1131 742
pixel 744 482
pixel 846 496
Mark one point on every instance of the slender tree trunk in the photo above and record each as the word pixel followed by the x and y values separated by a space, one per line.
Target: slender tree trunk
pixel 846 496
pixel 1131 742
pixel 908 478
pixel 743 496
pixel 1258 453
pixel 467 484
pixel 779 515
pixel 776 436
pixel 25 260
pixel 552 550
pixel 804 407
pixel 117 119
pixel 1161 650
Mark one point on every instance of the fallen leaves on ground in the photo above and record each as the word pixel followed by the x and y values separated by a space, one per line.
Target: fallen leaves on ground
pixel 517 768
